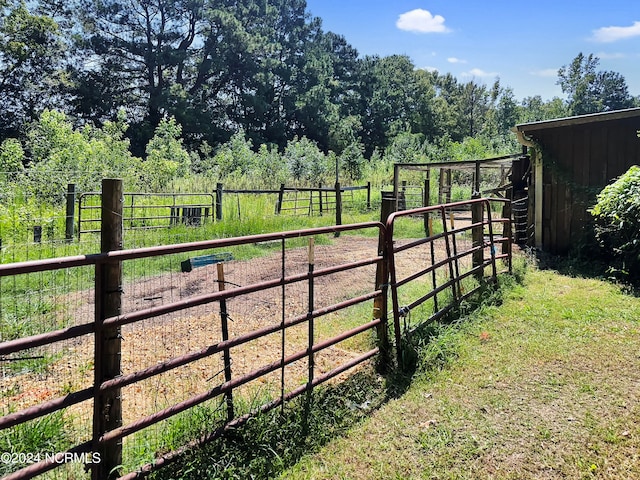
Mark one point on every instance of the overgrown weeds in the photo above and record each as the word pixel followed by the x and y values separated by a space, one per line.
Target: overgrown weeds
pixel 270 442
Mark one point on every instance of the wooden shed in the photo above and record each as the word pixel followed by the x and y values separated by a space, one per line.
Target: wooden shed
pixel 572 159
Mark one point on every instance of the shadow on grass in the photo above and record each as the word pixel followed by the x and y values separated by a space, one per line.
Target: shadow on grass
pixel 588 261
pixel 271 442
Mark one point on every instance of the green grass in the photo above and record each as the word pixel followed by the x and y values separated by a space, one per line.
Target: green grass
pixel 272 441
pixel 540 384
pixel 45 435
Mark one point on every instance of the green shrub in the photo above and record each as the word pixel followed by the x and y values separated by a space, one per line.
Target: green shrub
pixel 61 154
pixel 166 156
pixel 617 223
pixel 11 158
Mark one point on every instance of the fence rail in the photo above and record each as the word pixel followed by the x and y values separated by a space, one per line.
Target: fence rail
pixel 106 327
pixel 468 250
pixel 152 213
pixel 294 355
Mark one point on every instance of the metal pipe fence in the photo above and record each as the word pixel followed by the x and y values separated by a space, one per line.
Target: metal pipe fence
pixel 297 346
pixel 148 211
pixel 452 263
pixel 123 352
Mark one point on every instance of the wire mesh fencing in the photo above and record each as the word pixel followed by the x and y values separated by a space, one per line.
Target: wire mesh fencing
pixel 122 359
pixel 201 343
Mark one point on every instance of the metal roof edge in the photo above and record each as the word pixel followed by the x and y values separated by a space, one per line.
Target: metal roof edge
pixel 577 120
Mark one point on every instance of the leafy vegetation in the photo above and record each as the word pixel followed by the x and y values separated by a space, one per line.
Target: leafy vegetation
pixel 617 227
pixel 265 70
pixel 255 93
pixel 591 91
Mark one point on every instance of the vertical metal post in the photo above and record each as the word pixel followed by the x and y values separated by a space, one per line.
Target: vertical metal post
pixel 434 278
pixel 320 197
pixel 280 199
pixel 396 180
pixel 380 306
pixel 425 203
pixel 79 216
pixel 426 196
pixel 71 204
pixel 219 201
pixel 368 195
pixel 310 322
pixel 507 233
pixel 224 316
pixel 492 245
pixel 283 300
pixel 447 243
pixel 338 207
pixel 133 213
pixel 107 405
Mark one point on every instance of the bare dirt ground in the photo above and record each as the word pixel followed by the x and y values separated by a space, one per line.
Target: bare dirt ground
pixel 154 341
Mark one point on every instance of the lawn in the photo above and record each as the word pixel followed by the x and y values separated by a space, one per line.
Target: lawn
pixel 542 384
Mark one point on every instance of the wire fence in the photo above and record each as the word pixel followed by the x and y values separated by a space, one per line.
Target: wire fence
pixel 33 226
pixel 121 359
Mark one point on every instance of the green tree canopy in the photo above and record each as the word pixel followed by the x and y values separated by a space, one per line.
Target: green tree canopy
pixel 30 66
pixel 589 90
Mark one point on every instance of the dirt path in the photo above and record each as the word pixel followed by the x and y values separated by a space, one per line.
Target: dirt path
pixel 153 341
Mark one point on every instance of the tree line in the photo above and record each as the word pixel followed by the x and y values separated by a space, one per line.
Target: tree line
pixel 264 69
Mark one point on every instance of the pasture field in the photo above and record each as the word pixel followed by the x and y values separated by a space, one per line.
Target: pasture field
pixel 543 383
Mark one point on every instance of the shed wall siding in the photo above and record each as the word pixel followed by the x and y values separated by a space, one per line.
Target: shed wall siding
pixel 579 160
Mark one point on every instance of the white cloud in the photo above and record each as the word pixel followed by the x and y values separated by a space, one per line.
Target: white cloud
pixel 477 72
pixel 429 69
pixel 545 72
pixel 455 60
pixel 421 21
pixel 613 34
pixel 610 56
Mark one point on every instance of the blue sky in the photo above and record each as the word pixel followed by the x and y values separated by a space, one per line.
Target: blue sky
pixel 523 43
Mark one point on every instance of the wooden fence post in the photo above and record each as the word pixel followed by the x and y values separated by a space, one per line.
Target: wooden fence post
pixel 71 204
pixel 280 199
pixel 380 306
pixel 107 405
pixel 218 201
pixel 425 203
pixel 477 235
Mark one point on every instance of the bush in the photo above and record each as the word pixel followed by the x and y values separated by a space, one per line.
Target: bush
pixel 305 161
pixel 617 223
pixel 166 156
pixel 61 155
pixel 11 159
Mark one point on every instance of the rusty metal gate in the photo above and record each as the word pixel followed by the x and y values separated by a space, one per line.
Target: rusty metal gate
pixel 437 273
pixel 283 347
